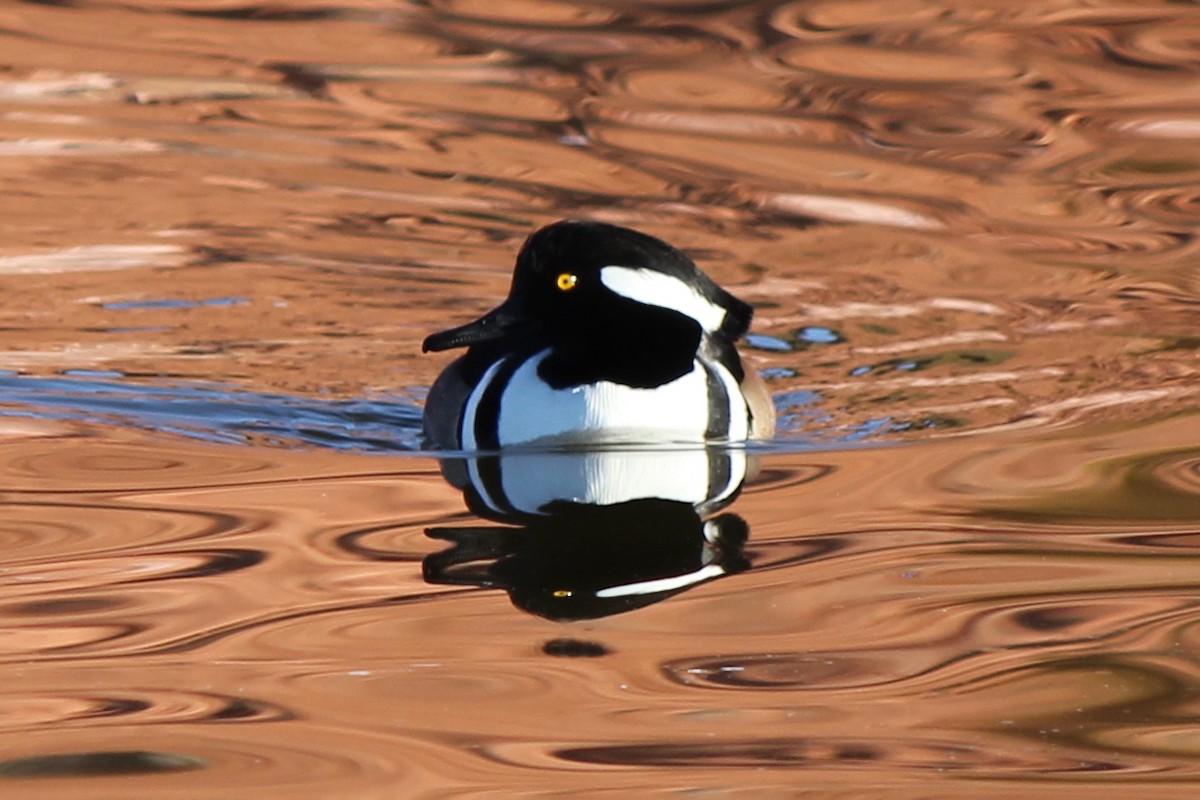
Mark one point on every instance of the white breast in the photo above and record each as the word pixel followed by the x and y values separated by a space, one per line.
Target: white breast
pixel 603 412
pixel 531 411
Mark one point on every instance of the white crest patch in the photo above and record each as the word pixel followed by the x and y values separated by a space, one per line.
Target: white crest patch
pixel 659 289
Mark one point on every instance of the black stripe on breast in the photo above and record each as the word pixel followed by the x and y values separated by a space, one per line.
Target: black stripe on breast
pixel 718 404
pixel 488 499
pixel 486 423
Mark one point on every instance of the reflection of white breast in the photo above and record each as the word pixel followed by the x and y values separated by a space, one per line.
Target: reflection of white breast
pixel 528 481
pixel 531 411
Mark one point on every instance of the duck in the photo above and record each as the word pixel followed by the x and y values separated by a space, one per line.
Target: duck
pixel 608 336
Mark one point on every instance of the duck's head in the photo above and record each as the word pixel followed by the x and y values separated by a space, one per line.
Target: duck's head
pixel 611 303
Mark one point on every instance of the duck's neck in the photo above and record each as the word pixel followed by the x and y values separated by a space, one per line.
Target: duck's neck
pixel 648 349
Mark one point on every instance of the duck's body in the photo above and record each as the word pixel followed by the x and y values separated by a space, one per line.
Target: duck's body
pixel 509 403
pixel 608 335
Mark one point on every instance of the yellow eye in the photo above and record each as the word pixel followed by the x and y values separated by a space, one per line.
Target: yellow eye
pixel 566 281
pixel 563 592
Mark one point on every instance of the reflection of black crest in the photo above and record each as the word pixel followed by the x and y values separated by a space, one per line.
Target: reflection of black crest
pixel 589 561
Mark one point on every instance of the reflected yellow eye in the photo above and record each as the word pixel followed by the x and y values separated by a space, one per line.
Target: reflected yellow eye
pixel 566 281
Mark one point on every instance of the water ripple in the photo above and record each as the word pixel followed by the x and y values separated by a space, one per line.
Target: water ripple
pixel 31 709
pixel 899 753
pixel 968 227
pixel 212 413
pixel 48 531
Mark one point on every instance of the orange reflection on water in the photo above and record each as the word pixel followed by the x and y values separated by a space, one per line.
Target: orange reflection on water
pixel 969 234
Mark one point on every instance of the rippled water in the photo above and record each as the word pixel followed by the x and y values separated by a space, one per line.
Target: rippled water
pixel 964 568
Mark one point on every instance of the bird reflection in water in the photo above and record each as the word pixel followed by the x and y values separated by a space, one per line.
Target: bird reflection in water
pixel 598 532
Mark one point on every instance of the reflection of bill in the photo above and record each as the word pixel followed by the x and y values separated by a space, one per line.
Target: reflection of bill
pixel 602 531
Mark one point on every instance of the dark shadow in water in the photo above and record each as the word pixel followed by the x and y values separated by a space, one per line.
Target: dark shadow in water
pixel 97 764
pixel 583 561
pixel 600 532
pixel 217 414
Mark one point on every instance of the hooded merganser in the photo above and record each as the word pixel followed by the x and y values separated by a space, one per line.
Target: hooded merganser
pixel 607 335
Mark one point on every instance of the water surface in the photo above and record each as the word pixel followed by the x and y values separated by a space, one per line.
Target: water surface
pixel 963 569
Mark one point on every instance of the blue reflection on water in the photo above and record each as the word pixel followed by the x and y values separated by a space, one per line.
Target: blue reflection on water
pixel 215 413
pixel 819 334
pixel 760 341
pixel 133 305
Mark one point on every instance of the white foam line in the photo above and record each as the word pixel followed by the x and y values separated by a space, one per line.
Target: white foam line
pixel 959 380
pixel 963 337
pixel 77 147
pixel 808 312
pixel 848 209
pixel 93 258
pixel 1115 398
